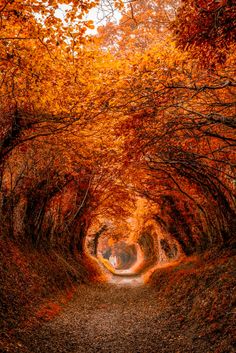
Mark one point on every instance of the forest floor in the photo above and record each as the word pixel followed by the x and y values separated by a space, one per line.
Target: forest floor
pixel 185 309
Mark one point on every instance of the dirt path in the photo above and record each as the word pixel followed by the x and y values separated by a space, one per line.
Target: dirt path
pixel 113 319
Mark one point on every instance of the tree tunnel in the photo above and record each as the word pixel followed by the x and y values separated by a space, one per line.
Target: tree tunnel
pixel 144 245
pixel 117 167
pixel 161 228
pixel 167 215
pixel 148 166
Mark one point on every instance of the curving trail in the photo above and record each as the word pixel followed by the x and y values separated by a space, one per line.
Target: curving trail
pixel 109 318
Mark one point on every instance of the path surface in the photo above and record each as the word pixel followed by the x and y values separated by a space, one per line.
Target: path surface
pixel 109 318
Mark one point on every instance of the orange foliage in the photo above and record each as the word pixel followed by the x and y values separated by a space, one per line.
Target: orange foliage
pixel 50 309
pixel 89 125
pixel 207 28
pixel 48 312
pixel 130 132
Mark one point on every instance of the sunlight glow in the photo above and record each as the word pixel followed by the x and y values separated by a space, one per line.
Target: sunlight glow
pixel 100 15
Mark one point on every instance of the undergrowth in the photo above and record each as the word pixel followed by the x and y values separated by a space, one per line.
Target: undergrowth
pixel 201 293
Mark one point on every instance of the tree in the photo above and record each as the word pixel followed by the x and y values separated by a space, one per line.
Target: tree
pixel 36 49
pixel 142 25
pixel 179 134
pixel 206 29
pixel 119 118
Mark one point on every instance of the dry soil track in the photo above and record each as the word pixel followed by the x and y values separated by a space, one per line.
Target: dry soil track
pixel 115 319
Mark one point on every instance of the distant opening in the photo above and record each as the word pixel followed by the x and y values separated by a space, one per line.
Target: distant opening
pixel 120 255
